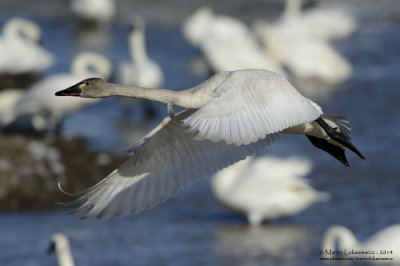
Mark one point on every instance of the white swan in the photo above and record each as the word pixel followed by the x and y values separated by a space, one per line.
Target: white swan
pixel 45 111
pixel 386 240
pixel 318 23
pixel 60 245
pixel 266 187
pixel 226 43
pixel 227 118
pixel 295 46
pixel 94 10
pixel 20 51
pixel 141 71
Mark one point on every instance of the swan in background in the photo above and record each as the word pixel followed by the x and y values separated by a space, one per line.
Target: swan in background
pixel 40 109
pixel 266 187
pixel 227 43
pixel 204 24
pixel 294 45
pixel 101 11
pixel 319 23
pixel 141 71
pixel 388 239
pixel 60 245
pixel 228 117
pixel 20 51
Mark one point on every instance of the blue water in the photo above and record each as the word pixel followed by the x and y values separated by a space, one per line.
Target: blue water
pixel 193 229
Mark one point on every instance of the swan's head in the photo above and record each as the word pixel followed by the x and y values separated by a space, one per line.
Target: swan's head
pixel 87 88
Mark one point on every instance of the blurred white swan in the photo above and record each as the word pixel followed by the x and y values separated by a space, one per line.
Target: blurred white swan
pixel 319 23
pixel 94 10
pixel 226 118
pixel 266 187
pixel 141 71
pixel 293 43
pixel 227 43
pixel 38 103
pixel 60 245
pixel 20 51
pixel 388 239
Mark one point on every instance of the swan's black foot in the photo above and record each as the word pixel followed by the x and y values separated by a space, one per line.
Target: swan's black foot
pixel 339 137
pixel 333 150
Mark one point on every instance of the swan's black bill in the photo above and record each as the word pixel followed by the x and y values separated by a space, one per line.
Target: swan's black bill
pixel 71 91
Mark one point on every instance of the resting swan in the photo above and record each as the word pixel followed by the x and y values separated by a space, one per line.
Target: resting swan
pixel 294 44
pixel 228 117
pixel 388 239
pixel 20 51
pixel 266 187
pixel 141 71
pixel 227 43
pixel 319 23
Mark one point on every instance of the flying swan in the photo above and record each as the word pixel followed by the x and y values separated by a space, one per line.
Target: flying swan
pixel 228 117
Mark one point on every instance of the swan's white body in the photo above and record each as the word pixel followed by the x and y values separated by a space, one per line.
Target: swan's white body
pixel 94 10
pixel 141 71
pixel 388 239
pixel 62 249
pixel 226 43
pixel 299 42
pixel 48 111
pixel 227 118
pixel 266 187
pixel 20 51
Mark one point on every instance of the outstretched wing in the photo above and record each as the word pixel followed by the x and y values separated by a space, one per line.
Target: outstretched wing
pixel 165 161
pixel 249 106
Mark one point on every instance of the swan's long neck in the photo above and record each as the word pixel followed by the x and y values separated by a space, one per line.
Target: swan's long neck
pixel 193 98
pixel 185 99
pixel 64 258
pixel 340 235
pixel 63 251
pixel 137 45
pixel 292 9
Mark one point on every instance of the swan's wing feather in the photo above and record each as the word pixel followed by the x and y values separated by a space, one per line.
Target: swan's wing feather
pixel 170 159
pixel 250 105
